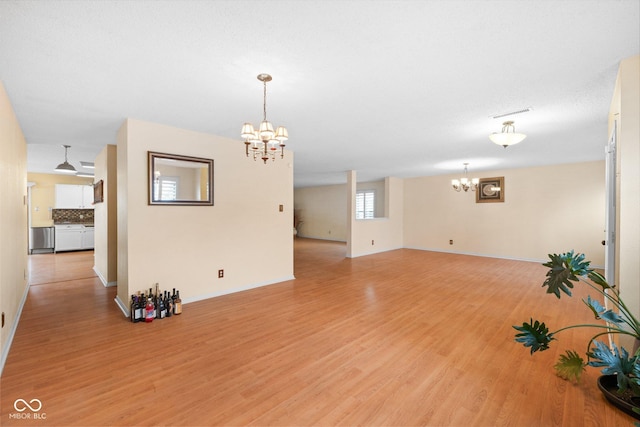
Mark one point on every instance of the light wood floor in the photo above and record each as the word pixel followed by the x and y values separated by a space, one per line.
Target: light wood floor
pixel 401 338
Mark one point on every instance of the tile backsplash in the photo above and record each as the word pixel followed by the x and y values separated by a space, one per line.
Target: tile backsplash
pixel 75 216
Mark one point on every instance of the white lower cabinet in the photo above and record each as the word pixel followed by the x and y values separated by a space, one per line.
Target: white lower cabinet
pixel 88 238
pixel 73 237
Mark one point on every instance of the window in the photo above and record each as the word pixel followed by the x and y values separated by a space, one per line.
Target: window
pixel 166 187
pixel 365 202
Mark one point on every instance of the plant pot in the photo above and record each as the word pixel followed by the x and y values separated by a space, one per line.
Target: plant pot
pixel 608 385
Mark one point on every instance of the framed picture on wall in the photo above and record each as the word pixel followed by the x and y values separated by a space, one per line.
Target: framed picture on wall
pixel 490 190
pixel 98 196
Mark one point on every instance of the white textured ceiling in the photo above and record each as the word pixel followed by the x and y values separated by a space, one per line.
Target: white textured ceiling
pixel 386 88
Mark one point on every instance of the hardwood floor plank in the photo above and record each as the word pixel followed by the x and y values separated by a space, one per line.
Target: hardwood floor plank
pixel 405 337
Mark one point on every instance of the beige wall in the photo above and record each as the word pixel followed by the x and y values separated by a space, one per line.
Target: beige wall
pixel 13 222
pixel 625 108
pixel 43 194
pixel 105 217
pixel 538 215
pixel 323 212
pixel 184 246
pixel 546 209
pixel 370 236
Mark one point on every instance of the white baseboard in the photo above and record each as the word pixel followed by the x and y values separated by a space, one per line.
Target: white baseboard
pixel 103 280
pixel 537 260
pixel 234 290
pixel 14 327
pixel 123 307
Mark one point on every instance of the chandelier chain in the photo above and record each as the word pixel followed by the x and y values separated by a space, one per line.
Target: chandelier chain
pixel 264 101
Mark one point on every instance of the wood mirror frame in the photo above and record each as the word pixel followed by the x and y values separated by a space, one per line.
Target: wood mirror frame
pixel 179 180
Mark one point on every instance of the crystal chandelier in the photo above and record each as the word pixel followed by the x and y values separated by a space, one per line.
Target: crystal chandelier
pixel 507 136
pixel 465 183
pixel 264 142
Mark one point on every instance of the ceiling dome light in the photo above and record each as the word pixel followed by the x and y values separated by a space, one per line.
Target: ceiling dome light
pixel 507 136
pixel 66 167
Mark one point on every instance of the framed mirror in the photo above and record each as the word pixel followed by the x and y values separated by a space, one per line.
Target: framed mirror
pixel 180 180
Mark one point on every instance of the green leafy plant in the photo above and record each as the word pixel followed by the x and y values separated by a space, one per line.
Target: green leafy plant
pixel 565 270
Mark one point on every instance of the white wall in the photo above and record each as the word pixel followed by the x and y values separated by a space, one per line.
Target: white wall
pixel 625 108
pixel 184 246
pixel 13 222
pixel 546 209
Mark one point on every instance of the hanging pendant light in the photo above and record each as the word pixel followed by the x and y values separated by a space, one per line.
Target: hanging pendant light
pixel 264 142
pixel 507 136
pixel 66 167
pixel 465 183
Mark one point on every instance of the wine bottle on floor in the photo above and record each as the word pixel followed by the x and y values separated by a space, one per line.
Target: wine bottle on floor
pixel 139 314
pixel 160 307
pixel 168 303
pixel 142 302
pixel 177 308
pixel 150 309
pixel 133 307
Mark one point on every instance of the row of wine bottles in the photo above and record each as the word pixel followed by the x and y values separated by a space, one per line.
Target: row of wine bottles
pixel 145 308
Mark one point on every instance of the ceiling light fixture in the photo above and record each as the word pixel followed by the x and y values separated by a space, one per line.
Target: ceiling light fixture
pixel 88 165
pixel 66 167
pixel 507 136
pixel 465 183
pixel 264 141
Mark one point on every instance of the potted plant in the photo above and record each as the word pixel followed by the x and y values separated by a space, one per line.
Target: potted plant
pixel 620 382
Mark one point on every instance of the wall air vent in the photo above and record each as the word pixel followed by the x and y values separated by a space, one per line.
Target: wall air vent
pixel 524 110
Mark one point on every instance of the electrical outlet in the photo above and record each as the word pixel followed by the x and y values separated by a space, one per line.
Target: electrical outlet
pixel 220 274
pixel 451 242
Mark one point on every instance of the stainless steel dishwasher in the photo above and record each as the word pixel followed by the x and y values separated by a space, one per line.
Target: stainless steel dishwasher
pixel 42 239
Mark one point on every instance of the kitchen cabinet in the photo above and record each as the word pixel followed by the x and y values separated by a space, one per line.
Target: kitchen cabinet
pixel 72 196
pixel 88 238
pixel 73 237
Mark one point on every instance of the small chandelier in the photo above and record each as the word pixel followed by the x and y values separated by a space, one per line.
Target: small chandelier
pixel 507 136
pixel 465 183
pixel 264 141
pixel 66 167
